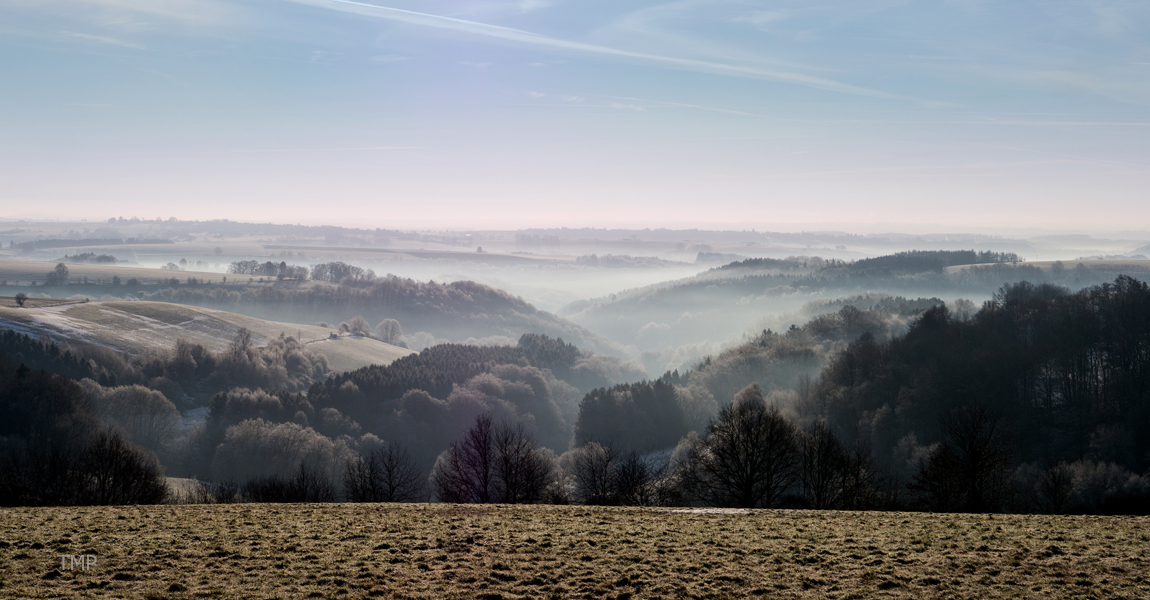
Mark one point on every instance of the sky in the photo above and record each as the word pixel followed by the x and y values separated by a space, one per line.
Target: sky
pixel 772 114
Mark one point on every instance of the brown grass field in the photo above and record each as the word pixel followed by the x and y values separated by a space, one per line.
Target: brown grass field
pixel 447 551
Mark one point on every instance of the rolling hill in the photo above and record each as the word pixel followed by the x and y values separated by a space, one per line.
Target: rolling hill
pixel 722 303
pixel 461 311
pixel 137 327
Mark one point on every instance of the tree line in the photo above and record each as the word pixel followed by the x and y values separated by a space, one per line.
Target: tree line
pixel 1036 402
pixel 1039 383
pixel 459 310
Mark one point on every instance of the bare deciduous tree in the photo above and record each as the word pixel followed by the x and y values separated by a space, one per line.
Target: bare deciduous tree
pixel 386 474
pixel 638 481
pixel 492 464
pixel 389 331
pixel 115 472
pixel 148 418
pixel 822 467
pixel 748 458
pixel 57 276
pixel 591 466
pixel 522 470
pixel 307 484
pixel 1055 488
pixel 465 472
pixel 969 470
pixel 359 326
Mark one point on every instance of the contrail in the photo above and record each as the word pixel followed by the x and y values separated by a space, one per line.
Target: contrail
pixel 526 37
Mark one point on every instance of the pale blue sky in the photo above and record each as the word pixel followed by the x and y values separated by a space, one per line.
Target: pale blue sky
pixel 936 114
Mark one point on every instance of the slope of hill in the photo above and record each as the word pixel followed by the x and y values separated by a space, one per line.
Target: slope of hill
pixel 447 311
pixel 137 327
pixel 722 303
pixel 458 311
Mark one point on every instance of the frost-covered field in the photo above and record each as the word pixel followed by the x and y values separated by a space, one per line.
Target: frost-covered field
pixel 141 327
pixel 446 551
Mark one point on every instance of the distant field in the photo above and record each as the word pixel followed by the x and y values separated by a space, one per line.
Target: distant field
pixel 23 271
pixel 140 327
pixel 445 551
pixel 10 301
pixel 1117 266
pixel 495 257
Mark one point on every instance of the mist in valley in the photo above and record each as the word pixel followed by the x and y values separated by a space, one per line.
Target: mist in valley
pixel 555 252
pixel 585 359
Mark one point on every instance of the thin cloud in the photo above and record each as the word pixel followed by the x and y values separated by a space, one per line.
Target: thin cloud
pixel 526 37
pixel 104 40
pixel 350 149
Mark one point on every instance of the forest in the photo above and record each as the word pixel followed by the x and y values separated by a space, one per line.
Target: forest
pixel 1037 402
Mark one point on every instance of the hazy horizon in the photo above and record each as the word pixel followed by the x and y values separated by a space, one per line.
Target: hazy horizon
pixel 830 227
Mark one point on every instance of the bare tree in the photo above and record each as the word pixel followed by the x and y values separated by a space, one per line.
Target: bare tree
pixel 57 276
pixel 492 464
pixel 935 486
pixel 637 481
pixel 522 470
pixel 359 326
pixel 969 471
pixel 306 485
pixel 1055 488
pixel 748 458
pixel 149 418
pixel 386 474
pixel 822 467
pixel 591 466
pixel 465 472
pixel 116 472
pixel 21 298
pixel 389 331
pixel 864 486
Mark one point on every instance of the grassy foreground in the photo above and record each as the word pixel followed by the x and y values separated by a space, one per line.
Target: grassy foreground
pixel 444 551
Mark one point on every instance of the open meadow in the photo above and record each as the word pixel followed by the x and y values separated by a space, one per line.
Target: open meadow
pixel 453 551
pixel 139 327
pixel 21 271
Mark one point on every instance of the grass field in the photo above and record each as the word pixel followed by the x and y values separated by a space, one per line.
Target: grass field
pixel 445 551
pixel 1118 267
pixel 15 270
pixel 141 327
pixel 10 302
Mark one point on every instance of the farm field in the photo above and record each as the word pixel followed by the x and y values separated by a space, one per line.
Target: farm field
pixel 10 302
pixel 137 327
pixel 23 271
pixel 448 551
pixel 1117 267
